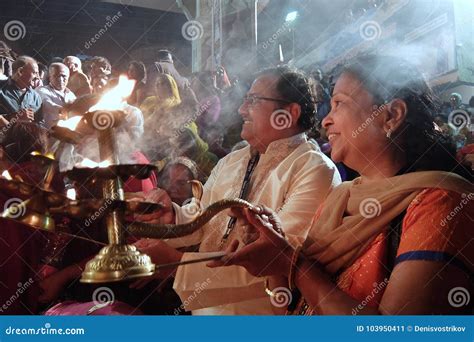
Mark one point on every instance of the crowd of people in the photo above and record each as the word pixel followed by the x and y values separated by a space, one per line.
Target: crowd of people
pixel 356 174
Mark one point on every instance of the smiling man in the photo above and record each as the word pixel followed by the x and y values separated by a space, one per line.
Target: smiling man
pixel 18 100
pixel 280 169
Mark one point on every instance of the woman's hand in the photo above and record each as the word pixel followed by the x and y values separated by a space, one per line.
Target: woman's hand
pixel 164 215
pixel 160 253
pixel 268 254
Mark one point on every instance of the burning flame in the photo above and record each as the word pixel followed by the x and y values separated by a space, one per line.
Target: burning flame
pixel 6 175
pixel 70 123
pixel 86 162
pixel 114 99
pixel 71 194
pixel 47 155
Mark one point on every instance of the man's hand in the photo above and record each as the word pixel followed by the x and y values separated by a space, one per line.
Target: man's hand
pixel 26 114
pixel 268 252
pixel 160 253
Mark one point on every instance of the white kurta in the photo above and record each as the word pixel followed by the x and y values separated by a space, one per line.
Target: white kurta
pixel 292 178
pixel 53 102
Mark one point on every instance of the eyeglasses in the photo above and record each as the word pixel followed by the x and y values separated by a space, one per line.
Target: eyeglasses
pixel 251 100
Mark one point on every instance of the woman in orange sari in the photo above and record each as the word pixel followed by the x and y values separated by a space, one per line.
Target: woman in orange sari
pixel 396 240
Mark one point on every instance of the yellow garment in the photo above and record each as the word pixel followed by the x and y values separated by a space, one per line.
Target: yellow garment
pixel 152 104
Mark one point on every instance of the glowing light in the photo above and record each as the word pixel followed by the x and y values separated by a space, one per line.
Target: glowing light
pixel 291 16
pixel 70 123
pixel 86 162
pixel 6 175
pixel 47 155
pixel 114 99
pixel 71 194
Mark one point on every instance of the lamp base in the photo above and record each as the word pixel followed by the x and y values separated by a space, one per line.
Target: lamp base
pixel 117 263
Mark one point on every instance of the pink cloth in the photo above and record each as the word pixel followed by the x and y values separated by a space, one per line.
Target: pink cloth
pixel 138 185
pixel 71 308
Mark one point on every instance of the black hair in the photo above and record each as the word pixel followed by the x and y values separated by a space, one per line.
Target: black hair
pixel 387 78
pixel 21 62
pixel 294 86
pixel 140 67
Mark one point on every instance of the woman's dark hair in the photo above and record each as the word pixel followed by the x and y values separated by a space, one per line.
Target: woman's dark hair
pixel 141 70
pixel 387 78
pixel 294 86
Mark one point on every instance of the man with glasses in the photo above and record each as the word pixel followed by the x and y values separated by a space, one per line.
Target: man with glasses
pixel 280 169
pixel 18 100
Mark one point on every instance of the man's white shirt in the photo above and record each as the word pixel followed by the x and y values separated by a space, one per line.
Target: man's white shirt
pixel 292 177
pixel 53 101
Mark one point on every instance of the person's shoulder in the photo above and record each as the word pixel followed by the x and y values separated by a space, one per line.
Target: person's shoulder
pixel 35 93
pixel 311 151
pixel 235 156
pixel 43 90
pixel 4 83
pixel 81 76
pixel 69 94
pixel 440 199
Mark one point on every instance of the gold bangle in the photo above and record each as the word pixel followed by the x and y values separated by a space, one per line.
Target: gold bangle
pixel 294 260
pixel 267 290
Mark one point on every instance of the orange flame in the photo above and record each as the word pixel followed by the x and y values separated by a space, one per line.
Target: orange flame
pixel 114 99
pixel 70 123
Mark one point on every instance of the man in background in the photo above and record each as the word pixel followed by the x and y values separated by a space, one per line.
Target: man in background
pixel 55 95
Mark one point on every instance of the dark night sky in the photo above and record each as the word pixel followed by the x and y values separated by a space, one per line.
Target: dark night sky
pixel 63 27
